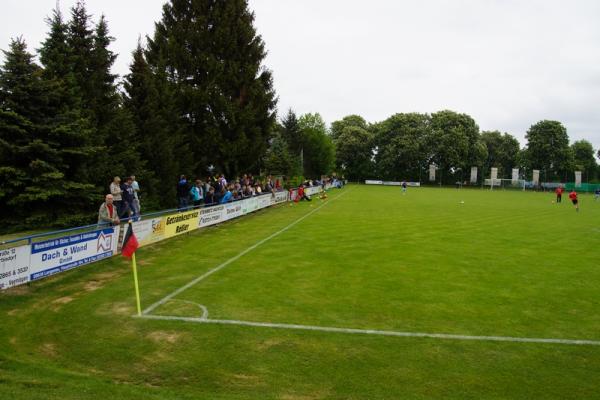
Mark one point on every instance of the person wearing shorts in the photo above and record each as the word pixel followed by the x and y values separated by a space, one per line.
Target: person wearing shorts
pixel 559 191
pixel 574 200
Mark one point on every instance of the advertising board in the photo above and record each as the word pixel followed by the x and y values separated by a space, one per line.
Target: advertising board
pixel 148 231
pixel 183 222
pixel 211 215
pixel 61 254
pixel 14 266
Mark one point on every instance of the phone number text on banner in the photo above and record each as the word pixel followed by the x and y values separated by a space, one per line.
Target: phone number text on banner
pixel 14 266
pixel 56 255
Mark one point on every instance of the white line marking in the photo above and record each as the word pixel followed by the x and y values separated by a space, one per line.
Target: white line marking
pixel 200 306
pixel 579 342
pixel 232 259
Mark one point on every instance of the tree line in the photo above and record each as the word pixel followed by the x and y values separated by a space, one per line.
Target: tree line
pixel 403 146
pixel 197 100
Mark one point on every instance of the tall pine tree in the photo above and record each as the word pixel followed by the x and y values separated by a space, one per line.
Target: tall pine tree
pixel 151 104
pixel 36 149
pixel 212 54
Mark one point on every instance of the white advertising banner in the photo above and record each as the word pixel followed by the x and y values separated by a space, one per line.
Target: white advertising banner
pixel 57 255
pixel 494 174
pixel 249 205
pixel 280 197
pixel 536 176
pixel 233 210
pixel 311 191
pixel 473 175
pixel 393 183
pixel 431 173
pixel 212 215
pixel 577 178
pixel 515 176
pixel 263 201
pixel 14 266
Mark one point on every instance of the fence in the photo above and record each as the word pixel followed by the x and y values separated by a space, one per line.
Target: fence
pixel 38 256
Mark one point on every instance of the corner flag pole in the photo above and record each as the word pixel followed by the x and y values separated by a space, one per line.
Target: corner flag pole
pixel 130 245
pixel 137 287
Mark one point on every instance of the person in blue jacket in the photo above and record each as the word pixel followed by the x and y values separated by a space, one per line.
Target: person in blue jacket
pixel 227 197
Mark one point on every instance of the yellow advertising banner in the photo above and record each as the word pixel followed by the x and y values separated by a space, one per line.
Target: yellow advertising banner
pixel 176 224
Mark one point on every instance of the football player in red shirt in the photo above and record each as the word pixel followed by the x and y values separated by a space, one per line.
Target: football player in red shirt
pixel 559 191
pixel 573 197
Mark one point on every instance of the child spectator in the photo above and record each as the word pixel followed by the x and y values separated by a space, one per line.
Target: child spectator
pixel 210 196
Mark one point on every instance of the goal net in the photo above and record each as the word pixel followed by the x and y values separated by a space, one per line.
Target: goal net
pixel 518 184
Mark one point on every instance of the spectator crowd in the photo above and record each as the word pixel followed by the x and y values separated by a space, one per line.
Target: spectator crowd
pixel 123 201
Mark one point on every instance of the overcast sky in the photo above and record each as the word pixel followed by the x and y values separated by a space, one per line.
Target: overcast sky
pixel 507 63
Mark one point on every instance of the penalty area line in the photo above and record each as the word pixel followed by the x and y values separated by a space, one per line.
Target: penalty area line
pixel 445 336
pixel 234 258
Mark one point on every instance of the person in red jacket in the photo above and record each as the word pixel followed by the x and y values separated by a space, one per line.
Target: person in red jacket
pixel 573 197
pixel 301 195
pixel 559 191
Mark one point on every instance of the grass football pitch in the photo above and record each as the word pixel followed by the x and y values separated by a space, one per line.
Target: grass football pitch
pixel 369 294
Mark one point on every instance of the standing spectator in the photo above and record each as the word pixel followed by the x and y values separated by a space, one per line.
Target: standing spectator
pixel 222 180
pixel 115 190
pixel 210 196
pixel 207 185
pixel 136 197
pixel 107 215
pixel 269 186
pixel 127 194
pixel 197 193
pixel 218 187
pixel 248 192
pixel 182 192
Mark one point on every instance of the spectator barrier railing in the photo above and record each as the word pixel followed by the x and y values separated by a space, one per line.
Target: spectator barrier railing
pixel 40 255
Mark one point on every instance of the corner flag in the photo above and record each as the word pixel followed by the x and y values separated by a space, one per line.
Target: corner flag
pixel 130 245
